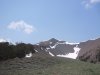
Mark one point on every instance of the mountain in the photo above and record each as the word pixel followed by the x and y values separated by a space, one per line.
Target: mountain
pixel 90 51
pixel 46 58
pixel 58 48
pixel 85 51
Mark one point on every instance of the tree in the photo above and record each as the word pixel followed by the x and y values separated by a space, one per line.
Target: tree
pixel 8 51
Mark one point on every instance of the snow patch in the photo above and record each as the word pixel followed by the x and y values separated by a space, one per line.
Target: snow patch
pixel 41 48
pixel 36 50
pixel 72 55
pixel 47 48
pixel 71 43
pixel 52 47
pixel 28 55
pixel 51 54
pixel 37 44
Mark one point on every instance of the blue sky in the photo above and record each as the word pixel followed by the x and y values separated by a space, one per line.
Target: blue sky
pixel 32 21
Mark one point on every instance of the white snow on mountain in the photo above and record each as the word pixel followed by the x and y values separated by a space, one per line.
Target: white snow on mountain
pixel 52 47
pixel 51 54
pixel 36 50
pixel 41 48
pixel 47 48
pixel 28 55
pixel 37 44
pixel 72 55
pixel 71 43
pixel 3 40
pixel 7 40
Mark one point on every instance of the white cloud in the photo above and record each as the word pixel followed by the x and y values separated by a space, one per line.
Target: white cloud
pixel 94 1
pixel 90 3
pixel 22 26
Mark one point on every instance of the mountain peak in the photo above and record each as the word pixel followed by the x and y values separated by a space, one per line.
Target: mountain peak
pixel 53 40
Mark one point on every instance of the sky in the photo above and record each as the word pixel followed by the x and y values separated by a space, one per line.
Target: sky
pixel 32 21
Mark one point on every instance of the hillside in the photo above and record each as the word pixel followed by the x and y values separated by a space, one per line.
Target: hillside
pixel 90 51
pixel 45 65
pixel 86 51
pixel 58 48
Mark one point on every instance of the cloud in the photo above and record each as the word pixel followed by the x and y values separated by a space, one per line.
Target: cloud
pixel 90 3
pixel 22 26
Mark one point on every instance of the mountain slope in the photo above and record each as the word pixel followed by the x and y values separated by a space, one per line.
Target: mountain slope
pixel 59 48
pixel 86 51
pixel 55 47
pixel 90 51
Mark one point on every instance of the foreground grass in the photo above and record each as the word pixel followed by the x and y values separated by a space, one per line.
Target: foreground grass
pixel 45 65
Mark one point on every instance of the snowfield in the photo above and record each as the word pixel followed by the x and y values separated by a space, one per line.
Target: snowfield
pixel 72 55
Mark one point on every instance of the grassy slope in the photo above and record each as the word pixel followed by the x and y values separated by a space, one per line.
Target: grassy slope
pixel 44 65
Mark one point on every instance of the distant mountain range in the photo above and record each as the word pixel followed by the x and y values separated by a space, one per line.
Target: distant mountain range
pixel 85 51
